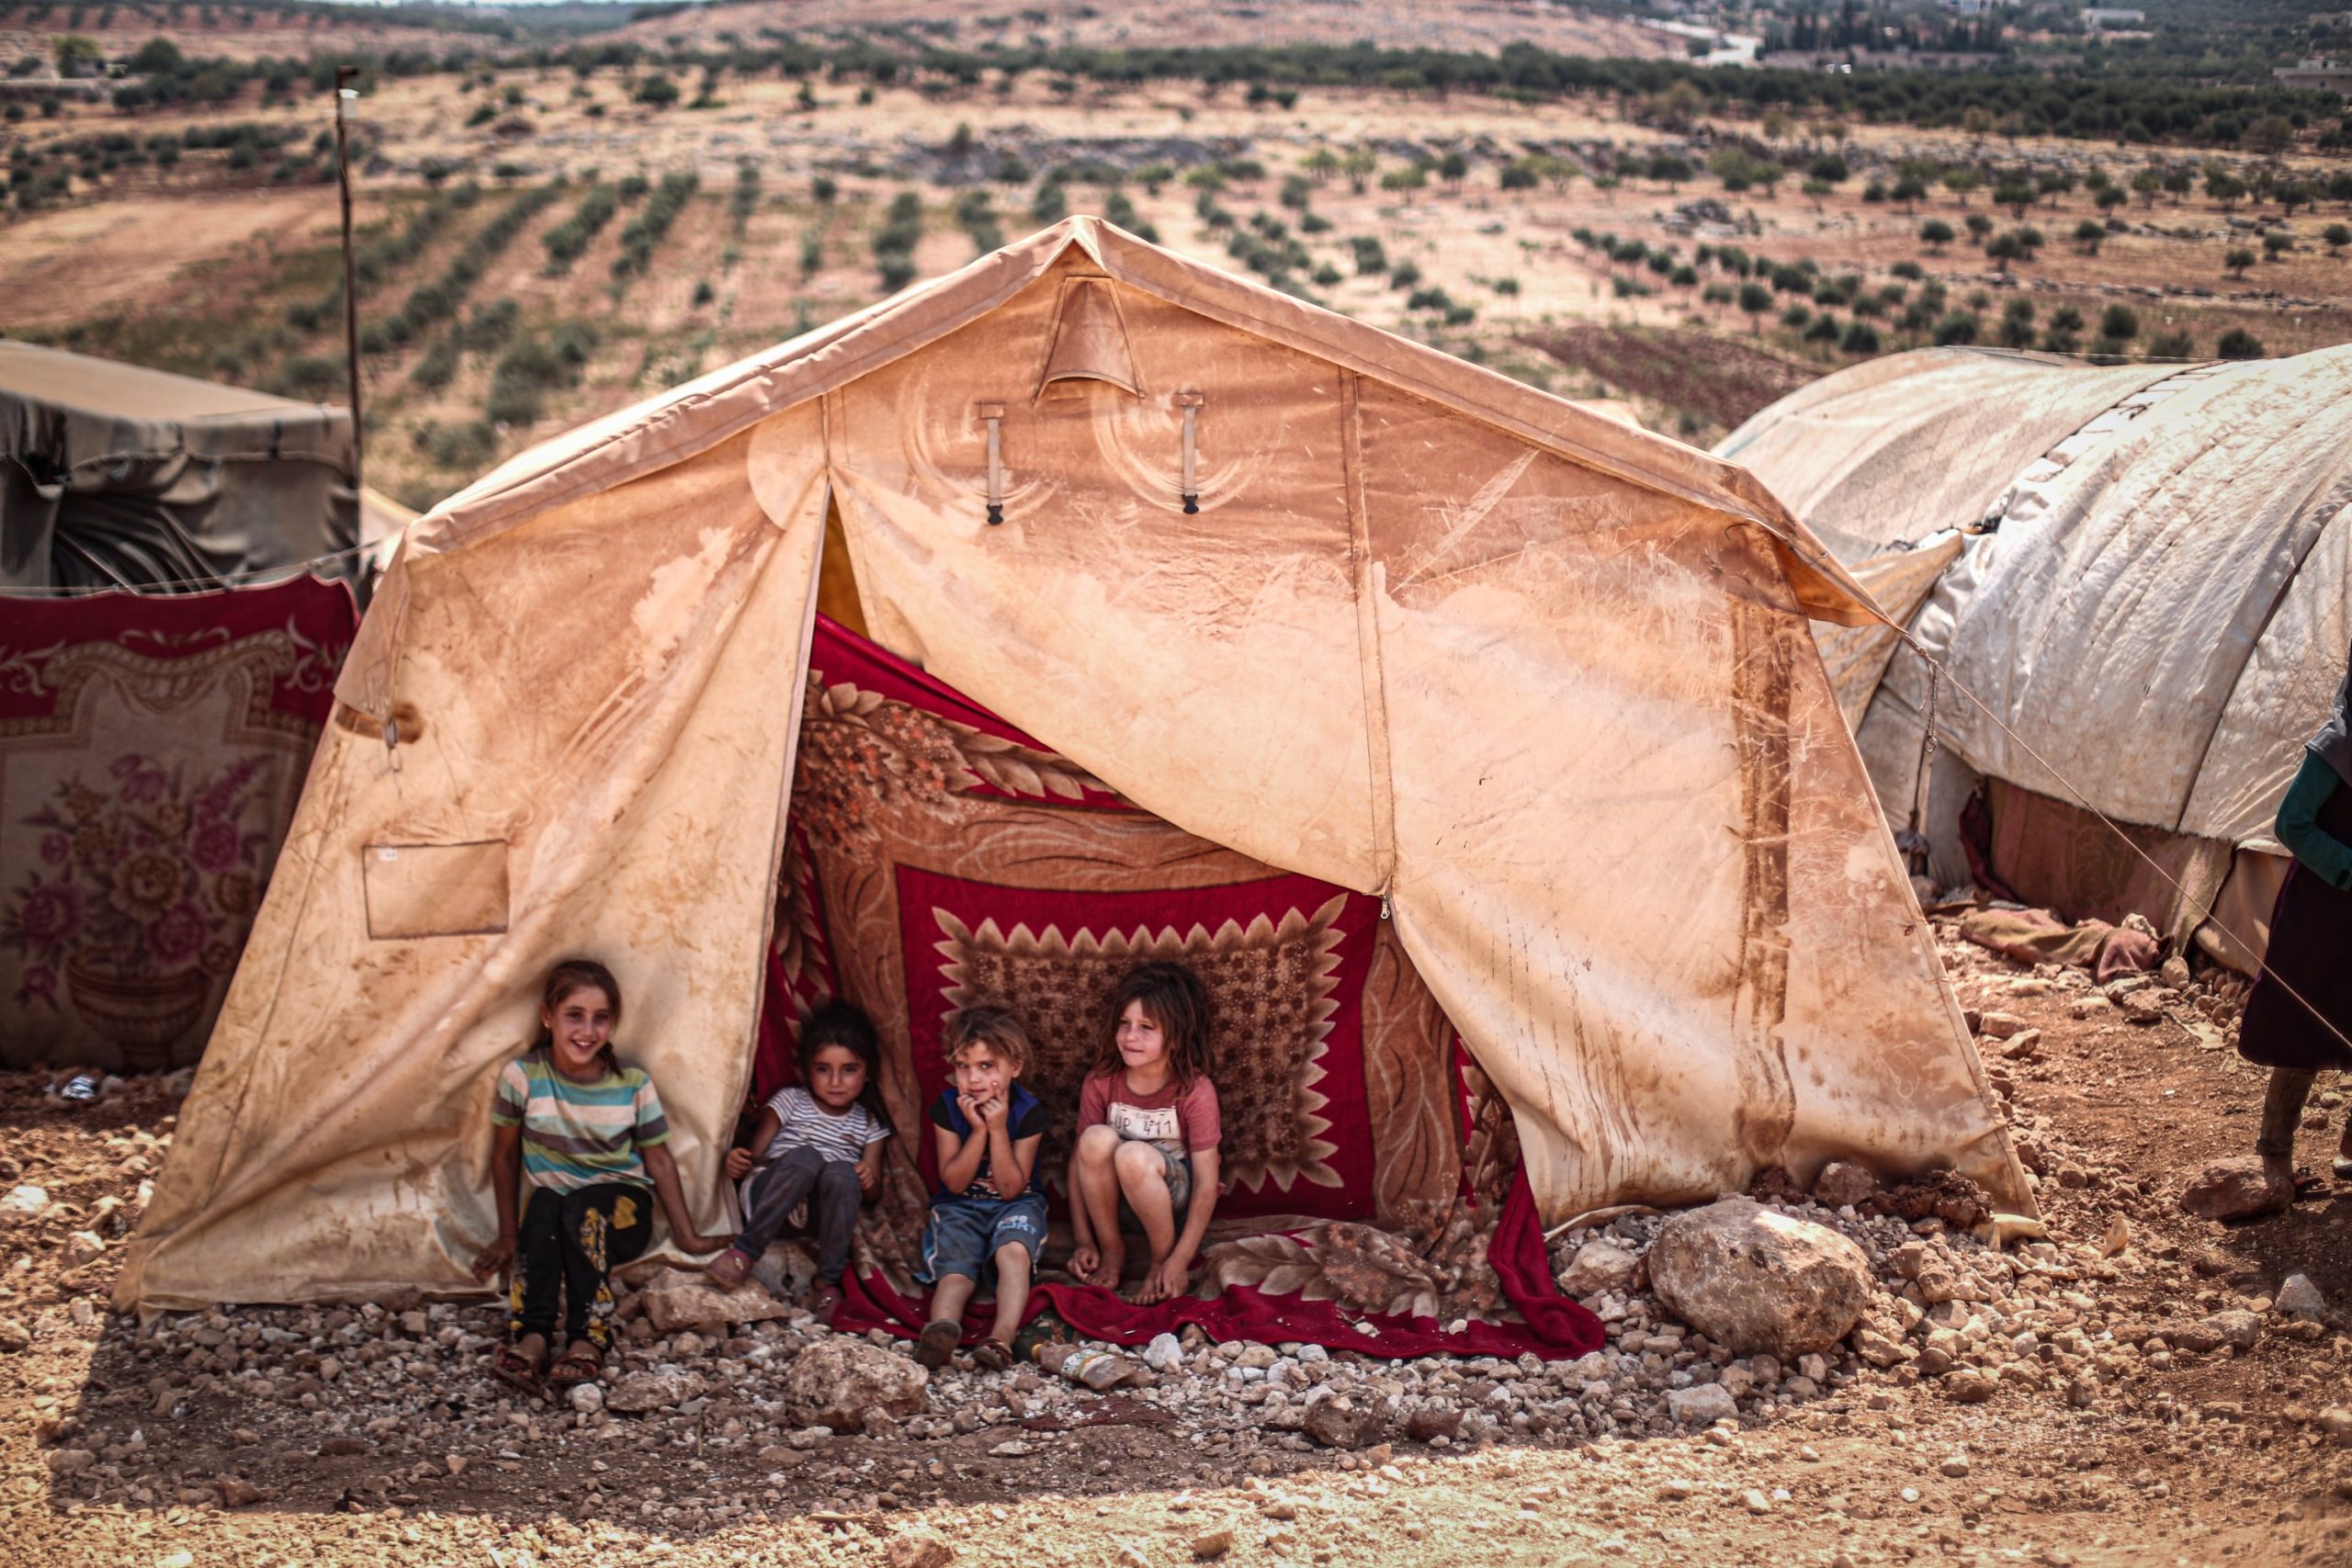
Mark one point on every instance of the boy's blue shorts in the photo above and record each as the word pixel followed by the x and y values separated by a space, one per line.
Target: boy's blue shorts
pixel 963 1234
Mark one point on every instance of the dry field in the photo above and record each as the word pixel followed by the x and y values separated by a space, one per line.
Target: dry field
pixel 203 268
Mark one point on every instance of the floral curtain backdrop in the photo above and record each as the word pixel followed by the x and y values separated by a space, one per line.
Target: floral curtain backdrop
pixel 936 859
pixel 151 749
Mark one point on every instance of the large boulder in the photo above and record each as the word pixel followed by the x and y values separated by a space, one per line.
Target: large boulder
pixel 1754 1279
pixel 683 1297
pixel 835 1381
pixel 2235 1188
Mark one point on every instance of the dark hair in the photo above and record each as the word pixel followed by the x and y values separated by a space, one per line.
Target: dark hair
pixel 1174 999
pixel 993 1027
pixel 571 974
pixel 843 1023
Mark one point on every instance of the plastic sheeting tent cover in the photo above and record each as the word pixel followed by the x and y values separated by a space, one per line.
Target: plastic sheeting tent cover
pixel 1541 679
pixel 112 476
pixel 2162 610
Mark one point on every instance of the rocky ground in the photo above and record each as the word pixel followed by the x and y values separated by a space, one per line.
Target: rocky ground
pixel 2135 1380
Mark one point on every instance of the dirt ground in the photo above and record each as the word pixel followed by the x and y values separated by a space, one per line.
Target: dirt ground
pixel 2226 1457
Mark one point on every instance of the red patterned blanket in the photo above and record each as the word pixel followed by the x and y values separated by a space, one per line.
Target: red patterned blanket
pixel 938 857
pixel 151 748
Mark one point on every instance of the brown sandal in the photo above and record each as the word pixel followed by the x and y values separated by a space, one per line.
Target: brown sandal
pixel 940 1336
pixel 519 1372
pixel 992 1355
pixel 576 1366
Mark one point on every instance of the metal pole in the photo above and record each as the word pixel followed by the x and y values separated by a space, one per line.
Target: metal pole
pixel 343 94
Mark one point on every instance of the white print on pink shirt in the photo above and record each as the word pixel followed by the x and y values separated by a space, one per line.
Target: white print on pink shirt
pixel 1134 1122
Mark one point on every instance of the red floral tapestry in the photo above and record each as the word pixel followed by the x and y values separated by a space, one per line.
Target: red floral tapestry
pixel 151 748
pixel 936 858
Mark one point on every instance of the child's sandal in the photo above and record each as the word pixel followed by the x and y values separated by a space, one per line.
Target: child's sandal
pixel 938 1342
pixel 992 1355
pixel 575 1367
pixel 517 1370
pixel 730 1268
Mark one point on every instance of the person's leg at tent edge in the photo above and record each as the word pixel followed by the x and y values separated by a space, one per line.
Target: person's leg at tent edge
pixel 2282 1111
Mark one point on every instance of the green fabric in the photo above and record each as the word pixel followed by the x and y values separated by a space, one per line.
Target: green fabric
pixel 2326 856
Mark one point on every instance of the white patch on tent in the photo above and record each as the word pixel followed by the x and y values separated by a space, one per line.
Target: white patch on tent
pixel 1865 863
pixel 666 608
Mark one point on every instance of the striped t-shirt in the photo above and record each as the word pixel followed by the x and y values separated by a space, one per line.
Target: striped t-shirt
pixel 802 1124
pixel 575 1133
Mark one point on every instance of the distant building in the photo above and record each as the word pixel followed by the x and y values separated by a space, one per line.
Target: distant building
pixel 2097 17
pixel 2316 75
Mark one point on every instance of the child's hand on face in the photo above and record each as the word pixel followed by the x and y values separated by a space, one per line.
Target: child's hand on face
pixel 992 1111
pixel 739 1164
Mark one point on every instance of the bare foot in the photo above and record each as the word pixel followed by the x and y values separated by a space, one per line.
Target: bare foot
pixel 1109 1263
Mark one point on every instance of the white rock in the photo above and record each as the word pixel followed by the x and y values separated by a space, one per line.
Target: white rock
pixel 83 1247
pixel 588 1398
pixel 834 1383
pixel 2299 1298
pixel 1756 1279
pixel 1165 1353
pixel 25 1199
pixel 1599 1265
pixel 1700 1406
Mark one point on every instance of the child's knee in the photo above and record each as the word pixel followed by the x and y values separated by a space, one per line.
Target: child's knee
pixel 837 1177
pixel 1140 1163
pixel 1013 1259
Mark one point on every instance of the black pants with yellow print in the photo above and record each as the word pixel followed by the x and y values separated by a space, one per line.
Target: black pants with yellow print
pixel 571 1243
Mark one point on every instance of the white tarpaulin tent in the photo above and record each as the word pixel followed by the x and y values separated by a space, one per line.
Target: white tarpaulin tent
pixel 1337 601
pixel 2158 603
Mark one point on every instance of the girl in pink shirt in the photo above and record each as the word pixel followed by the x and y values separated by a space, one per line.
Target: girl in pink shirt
pixel 1148 1134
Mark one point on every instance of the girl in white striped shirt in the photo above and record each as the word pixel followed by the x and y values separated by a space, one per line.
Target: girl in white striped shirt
pixel 817 1143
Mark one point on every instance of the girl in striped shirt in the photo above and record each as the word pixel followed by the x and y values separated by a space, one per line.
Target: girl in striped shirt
pixel 817 1147
pixel 587 1135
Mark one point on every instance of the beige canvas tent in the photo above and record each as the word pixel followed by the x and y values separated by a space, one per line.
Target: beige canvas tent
pixel 2142 572
pixel 1334 600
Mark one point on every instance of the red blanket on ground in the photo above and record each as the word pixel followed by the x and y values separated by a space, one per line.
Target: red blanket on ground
pixel 937 858
pixel 151 748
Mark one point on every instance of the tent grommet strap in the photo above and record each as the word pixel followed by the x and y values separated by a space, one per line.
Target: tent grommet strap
pixel 994 414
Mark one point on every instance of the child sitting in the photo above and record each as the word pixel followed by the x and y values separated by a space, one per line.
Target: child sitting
pixel 820 1143
pixel 587 1136
pixel 986 1218
pixel 1147 1132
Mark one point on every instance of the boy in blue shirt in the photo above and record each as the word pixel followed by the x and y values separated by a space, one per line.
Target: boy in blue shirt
pixel 987 1218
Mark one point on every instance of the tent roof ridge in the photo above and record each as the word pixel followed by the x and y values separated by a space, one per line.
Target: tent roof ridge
pixel 656 432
